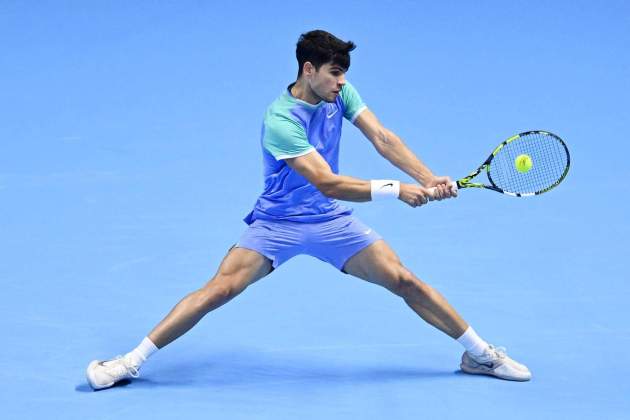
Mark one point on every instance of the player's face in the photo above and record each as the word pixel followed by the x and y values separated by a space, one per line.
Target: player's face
pixel 327 82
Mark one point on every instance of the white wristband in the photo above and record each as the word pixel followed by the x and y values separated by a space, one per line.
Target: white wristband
pixel 383 189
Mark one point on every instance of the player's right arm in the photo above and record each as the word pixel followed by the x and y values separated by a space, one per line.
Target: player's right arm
pixel 316 170
pixel 286 140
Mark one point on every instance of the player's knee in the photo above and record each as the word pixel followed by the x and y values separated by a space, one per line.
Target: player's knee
pixel 403 282
pixel 217 292
pixel 225 291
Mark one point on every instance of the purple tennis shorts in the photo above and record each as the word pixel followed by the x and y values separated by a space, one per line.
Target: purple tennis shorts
pixel 333 241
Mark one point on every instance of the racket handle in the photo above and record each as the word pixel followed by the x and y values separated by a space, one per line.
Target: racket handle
pixel 432 190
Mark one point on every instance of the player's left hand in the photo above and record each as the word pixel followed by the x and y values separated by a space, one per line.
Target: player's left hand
pixel 443 187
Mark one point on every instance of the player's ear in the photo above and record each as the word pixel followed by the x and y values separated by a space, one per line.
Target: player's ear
pixel 308 69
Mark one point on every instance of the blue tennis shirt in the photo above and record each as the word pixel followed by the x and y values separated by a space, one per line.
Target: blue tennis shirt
pixel 293 128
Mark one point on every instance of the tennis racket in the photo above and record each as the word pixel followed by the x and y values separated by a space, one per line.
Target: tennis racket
pixel 526 164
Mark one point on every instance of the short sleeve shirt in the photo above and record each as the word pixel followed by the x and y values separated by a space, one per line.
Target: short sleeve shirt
pixel 293 128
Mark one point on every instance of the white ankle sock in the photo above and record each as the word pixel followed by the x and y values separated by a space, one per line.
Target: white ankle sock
pixel 472 342
pixel 141 353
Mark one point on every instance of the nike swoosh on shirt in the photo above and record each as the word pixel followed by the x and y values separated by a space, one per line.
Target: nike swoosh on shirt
pixel 331 115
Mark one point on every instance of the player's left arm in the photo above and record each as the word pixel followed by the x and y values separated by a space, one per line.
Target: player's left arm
pixel 394 149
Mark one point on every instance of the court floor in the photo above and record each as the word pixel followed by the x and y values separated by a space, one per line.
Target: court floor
pixel 307 340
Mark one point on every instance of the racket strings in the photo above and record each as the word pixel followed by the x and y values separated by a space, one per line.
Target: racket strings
pixel 550 162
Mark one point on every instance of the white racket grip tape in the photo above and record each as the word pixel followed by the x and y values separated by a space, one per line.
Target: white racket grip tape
pixel 432 190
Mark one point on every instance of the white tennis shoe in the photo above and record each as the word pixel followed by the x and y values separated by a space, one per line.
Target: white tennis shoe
pixel 105 374
pixel 495 362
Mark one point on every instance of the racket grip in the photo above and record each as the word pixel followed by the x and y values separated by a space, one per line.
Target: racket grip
pixel 432 190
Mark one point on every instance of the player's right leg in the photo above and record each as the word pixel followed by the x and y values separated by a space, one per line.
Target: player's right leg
pixel 240 268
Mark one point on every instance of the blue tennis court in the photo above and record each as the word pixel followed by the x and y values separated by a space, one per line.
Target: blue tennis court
pixel 131 152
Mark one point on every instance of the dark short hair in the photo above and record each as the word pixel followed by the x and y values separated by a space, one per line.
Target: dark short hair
pixel 321 47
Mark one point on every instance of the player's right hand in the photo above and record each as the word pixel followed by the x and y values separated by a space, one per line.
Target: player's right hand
pixel 442 186
pixel 413 194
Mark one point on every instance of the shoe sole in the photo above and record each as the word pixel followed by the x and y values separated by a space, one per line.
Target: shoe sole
pixel 488 372
pixel 91 379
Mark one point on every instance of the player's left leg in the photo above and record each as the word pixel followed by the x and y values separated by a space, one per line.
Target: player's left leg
pixel 379 264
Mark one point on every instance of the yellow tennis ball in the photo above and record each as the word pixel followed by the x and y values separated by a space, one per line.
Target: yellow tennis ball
pixel 523 163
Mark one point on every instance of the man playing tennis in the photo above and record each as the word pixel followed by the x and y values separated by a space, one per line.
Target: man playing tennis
pixel 298 213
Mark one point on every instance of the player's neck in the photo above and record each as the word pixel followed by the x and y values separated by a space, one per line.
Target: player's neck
pixel 300 90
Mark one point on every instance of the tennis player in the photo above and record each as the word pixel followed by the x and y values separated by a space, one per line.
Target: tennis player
pixel 299 213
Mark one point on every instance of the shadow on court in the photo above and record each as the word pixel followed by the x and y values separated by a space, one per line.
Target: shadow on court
pixel 246 368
